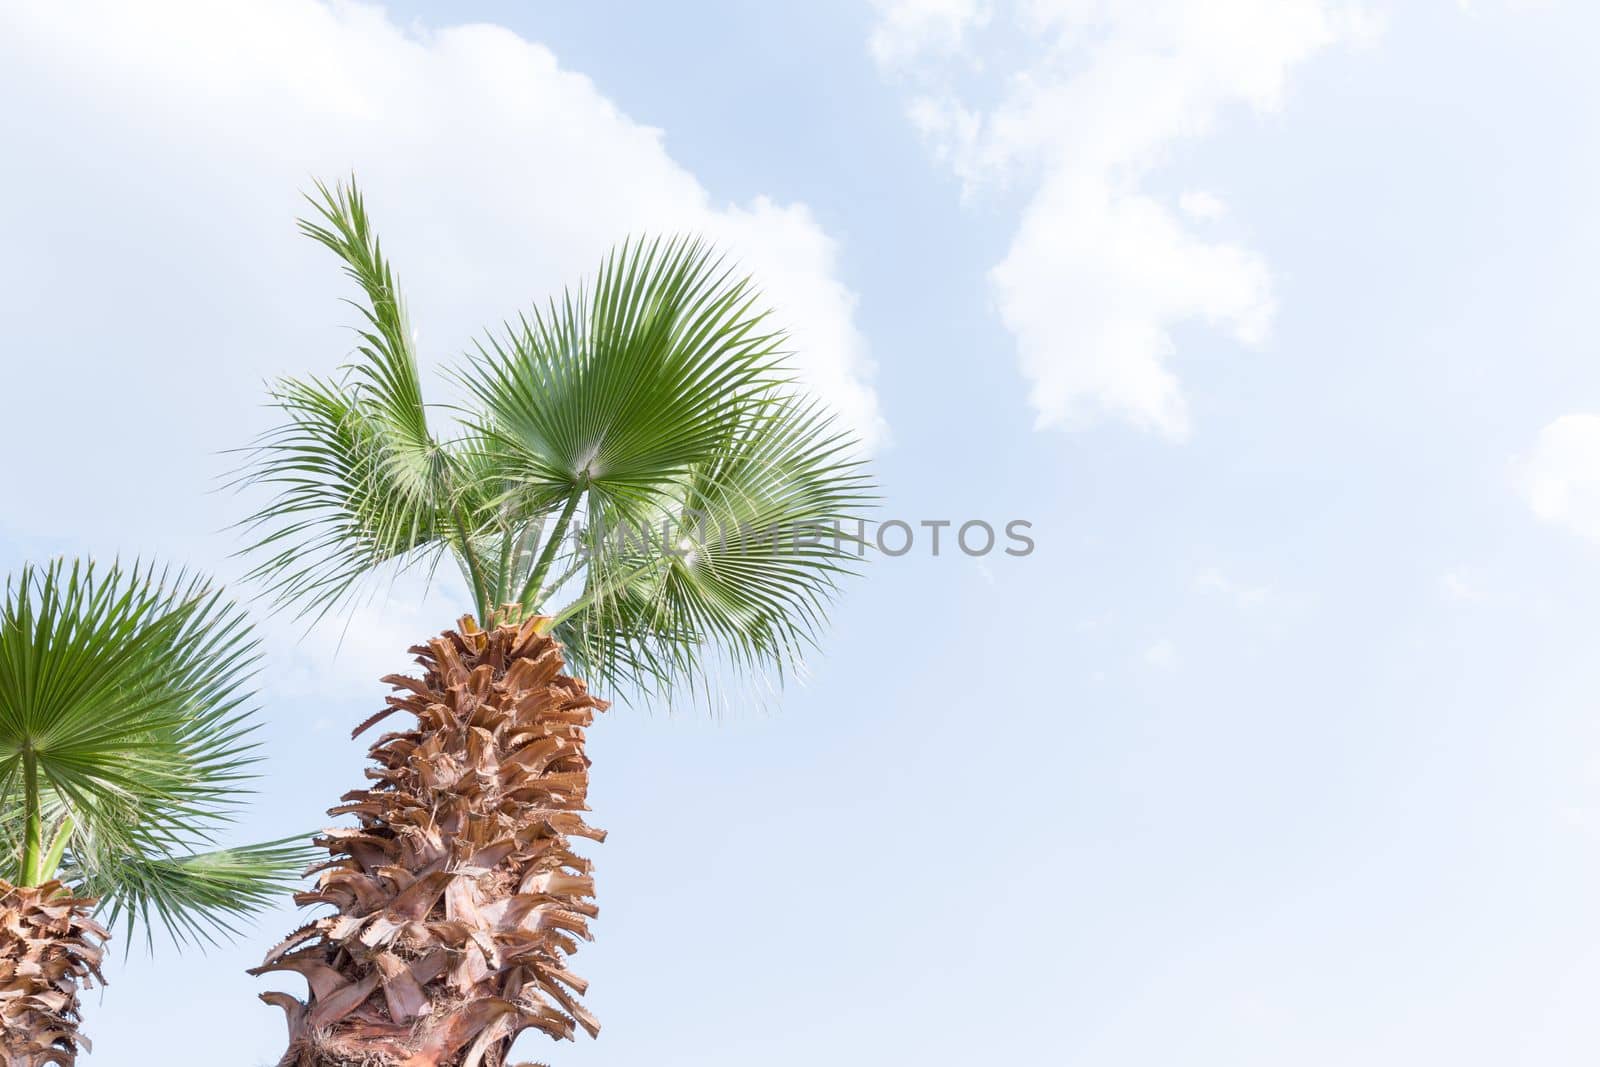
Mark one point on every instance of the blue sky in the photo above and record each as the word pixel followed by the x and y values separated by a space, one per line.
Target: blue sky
pixel 1275 320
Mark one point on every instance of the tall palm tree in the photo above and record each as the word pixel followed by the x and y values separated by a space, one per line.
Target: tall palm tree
pixel 124 749
pixel 634 489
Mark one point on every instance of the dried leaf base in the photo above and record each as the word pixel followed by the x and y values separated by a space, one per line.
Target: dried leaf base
pixel 458 895
pixel 49 949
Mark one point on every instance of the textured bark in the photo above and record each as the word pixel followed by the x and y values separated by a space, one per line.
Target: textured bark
pixel 458 895
pixel 49 949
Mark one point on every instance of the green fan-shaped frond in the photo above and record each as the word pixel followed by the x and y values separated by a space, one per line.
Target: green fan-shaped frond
pixel 740 565
pixel 619 392
pixel 124 723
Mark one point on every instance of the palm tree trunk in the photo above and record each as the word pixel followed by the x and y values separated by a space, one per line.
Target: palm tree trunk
pixel 49 949
pixel 458 895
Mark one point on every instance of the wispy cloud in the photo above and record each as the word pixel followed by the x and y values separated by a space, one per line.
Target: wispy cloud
pixel 1091 99
pixel 1560 477
pixel 1201 205
pixel 1160 655
pixel 1243 594
pixel 908 29
pixel 1457 587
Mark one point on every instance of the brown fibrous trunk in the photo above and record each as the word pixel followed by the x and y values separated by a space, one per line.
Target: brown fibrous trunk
pixel 458 895
pixel 50 948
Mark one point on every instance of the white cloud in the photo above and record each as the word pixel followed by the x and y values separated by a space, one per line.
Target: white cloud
pixel 346 653
pixel 150 233
pixel 1160 655
pixel 1100 271
pixel 1561 476
pixel 1454 586
pixel 1474 7
pixel 1201 205
pixel 908 28
pixel 1245 595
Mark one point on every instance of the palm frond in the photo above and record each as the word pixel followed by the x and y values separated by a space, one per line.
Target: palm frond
pixel 617 392
pixel 387 368
pixel 346 498
pixel 199 897
pixel 126 690
pixel 125 700
pixel 738 570
pixel 357 479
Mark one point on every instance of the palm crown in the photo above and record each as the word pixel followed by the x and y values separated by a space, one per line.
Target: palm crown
pixel 125 748
pixel 631 461
pixel 631 484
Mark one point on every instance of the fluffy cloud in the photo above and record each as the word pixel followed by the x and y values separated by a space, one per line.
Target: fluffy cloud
pixel 1561 476
pixel 1245 595
pixel 154 175
pixel 1100 269
pixel 909 28
pixel 1160 655
pixel 1476 7
pixel 1201 205
pixel 1455 586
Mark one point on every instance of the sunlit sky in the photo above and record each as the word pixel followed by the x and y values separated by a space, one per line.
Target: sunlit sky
pixel 1273 317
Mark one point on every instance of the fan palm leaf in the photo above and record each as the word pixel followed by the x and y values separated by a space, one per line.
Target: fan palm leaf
pixel 125 750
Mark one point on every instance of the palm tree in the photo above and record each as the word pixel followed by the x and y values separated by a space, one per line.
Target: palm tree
pixel 632 488
pixel 124 749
